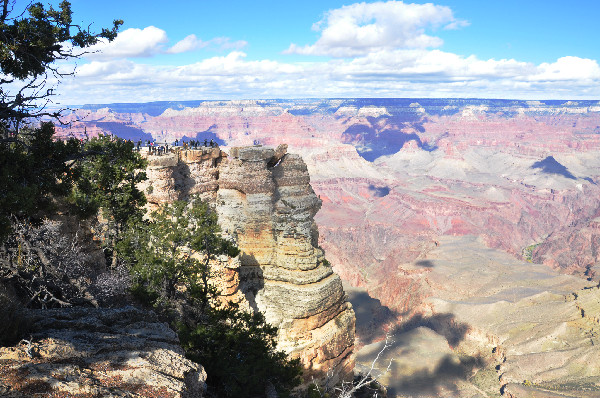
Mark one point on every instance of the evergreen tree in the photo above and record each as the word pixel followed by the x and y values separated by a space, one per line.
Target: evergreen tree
pixel 175 249
pixel 33 170
pixel 238 350
pixel 33 167
pixel 31 41
pixel 170 259
pixel 109 171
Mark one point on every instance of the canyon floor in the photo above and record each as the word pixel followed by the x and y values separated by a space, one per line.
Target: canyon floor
pixel 492 325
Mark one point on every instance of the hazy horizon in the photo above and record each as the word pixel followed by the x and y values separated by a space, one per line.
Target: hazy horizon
pixel 334 49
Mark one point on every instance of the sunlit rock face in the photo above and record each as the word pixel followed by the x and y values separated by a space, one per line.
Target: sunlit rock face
pixel 265 203
pixel 87 352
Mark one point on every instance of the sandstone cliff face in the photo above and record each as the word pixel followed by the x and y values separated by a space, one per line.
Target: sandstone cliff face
pixel 266 204
pixel 83 352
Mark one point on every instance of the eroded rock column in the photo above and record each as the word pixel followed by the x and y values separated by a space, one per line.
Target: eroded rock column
pixel 265 203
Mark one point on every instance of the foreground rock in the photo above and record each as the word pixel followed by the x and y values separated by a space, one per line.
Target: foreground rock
pixel 83 352
pixel 266 205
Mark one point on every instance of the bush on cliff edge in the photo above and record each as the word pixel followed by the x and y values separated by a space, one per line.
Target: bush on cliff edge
pixel 170 257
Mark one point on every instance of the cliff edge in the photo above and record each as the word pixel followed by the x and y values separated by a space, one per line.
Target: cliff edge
pixel 265 203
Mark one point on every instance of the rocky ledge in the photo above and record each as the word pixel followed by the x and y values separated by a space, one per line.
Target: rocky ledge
pixel 83 352
pixel 265 203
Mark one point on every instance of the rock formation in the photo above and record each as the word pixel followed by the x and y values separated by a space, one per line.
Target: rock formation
pixel 266 204
pixel 83 352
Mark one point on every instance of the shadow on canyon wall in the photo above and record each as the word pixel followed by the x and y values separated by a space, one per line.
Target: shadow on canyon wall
pixel 373 319
pixel 443 324
pixel 439 381
pixel 372 142
pixel 425 263
pixel 425 376
pixel 551 166
pixel 183 180
pixel 379 192
pixel 252 279
pixel 371 316
pixel 123 130
pixel 207 135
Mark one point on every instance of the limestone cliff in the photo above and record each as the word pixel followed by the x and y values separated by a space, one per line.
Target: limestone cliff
pixel 265 203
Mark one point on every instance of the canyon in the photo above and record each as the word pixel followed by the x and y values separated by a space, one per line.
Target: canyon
pixel 466 229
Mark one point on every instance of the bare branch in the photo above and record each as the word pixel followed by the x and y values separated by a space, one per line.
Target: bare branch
pixel 347 389
pixel 4 10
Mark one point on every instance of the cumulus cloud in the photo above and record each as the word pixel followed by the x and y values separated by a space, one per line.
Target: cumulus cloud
pixel 189 43
pixel 361 28
pixel 385 73
pixel 192 43
pixel 131 43
pixel 150 41
pixel 568 68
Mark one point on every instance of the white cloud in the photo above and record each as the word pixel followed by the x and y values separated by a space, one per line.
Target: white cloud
pixel 385 73
pixel 233 64
pixel 151 41
pixel 189 43
pixel 568 68
pixel 131 43
pixel 192 43
pixel 418 65
pixel 362 28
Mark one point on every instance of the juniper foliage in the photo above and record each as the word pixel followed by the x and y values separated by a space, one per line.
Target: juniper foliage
pixel 170 259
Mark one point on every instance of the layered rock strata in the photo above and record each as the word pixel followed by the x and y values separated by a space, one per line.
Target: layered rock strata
pixel 491 326
pixel 265 203
pixel 83 352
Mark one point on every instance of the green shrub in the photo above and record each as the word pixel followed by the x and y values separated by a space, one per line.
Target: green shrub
pixel 170 261
pixel 238 351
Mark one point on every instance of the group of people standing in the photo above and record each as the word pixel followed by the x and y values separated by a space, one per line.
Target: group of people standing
pixel 160 149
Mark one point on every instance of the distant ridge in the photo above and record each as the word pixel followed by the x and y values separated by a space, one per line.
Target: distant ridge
pixel 331 105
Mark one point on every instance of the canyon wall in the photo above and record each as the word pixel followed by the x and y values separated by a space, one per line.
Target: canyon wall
pixel 417 195
pixel 266 205
pixel 513 171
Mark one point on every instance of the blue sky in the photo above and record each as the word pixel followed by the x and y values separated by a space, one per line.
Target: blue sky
pixel 528 49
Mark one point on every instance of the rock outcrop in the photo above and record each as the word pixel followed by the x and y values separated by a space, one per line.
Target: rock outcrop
pixel 265 203
pixel 83 352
